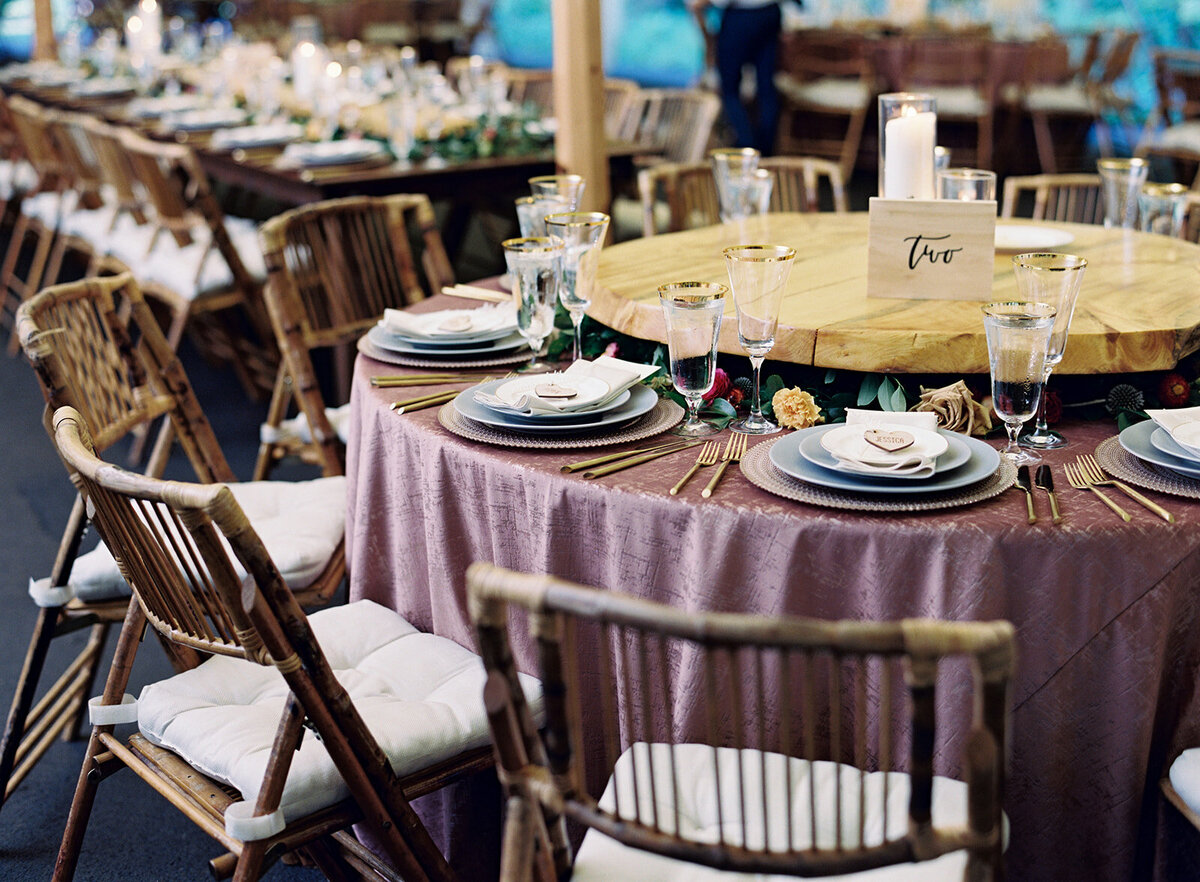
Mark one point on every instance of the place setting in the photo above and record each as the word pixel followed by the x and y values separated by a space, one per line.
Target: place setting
pixel 484 336
pixel 1161 453
pixel 590 404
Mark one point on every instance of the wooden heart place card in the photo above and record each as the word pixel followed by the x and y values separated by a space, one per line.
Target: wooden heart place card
pixel 931 249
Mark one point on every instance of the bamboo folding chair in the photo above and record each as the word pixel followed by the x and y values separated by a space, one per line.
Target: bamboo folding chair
pixel 96 346
pixel 1072 198
pixel 689 193
pixel 959 74
pixel 198 262
pixel 675 124
pixel 792 714
pixel 334 267
pixel 400 727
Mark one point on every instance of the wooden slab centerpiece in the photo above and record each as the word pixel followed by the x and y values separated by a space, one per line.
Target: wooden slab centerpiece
pixel 931 249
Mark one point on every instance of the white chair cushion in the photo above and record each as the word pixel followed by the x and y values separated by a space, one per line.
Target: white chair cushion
pixel 1185 136
pixel 92 226
pixel 299 522
pixel 129 242
pixel 41 207
pixel 1185 777
pixel 603 858
pixel 180 269
pixel 832 92
pixel 15 177
pixel 958 101
pixel 419 694
pixel 297 428
pixel 1070 98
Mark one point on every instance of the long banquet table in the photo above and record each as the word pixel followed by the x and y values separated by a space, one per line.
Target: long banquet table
pixel 1105 694
pixel 1137 309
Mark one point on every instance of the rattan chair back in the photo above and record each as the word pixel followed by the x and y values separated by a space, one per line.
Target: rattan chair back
pixel 757 690
pixel 1074 198
pixel 806 183
pixel 333 268
pixel 674 123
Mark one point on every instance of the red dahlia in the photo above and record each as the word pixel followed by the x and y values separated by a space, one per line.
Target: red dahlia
pixel 1174 391
pixel 721 386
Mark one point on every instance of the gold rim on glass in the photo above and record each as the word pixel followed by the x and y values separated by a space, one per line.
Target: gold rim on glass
pixel 760 253
pixel 1019 310
pixel 722 152
pixel 687 294
pixel 532 244
pixel 1115 163
pixel 578 219
pixel 1163 190
pixel 555 179
pixel 1050 260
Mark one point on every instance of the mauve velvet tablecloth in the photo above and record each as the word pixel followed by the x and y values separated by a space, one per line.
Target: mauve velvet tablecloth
pixel 1105 693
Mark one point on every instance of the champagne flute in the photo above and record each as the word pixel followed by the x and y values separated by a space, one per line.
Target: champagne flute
pixel 693 313
pixel 757 276
pixel 582 233
pixel 1053 279
pixel 1018 335
pixel 534 263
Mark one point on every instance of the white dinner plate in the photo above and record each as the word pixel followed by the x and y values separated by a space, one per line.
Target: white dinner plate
pixel 205 118
pixel 334 152
pixel 956 453
pixel 152 108
pixel 265 135
pixel 1137 439
pixel 427 348
pixel 982 461
pixel 488 323
pixel 640 402
pixel 102 86
pixel 534 419
pixel 1018 238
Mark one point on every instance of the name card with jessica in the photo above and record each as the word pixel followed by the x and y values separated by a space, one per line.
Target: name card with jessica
pixel 937 249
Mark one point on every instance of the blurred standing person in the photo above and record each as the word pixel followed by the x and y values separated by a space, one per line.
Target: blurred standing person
pixel 747 33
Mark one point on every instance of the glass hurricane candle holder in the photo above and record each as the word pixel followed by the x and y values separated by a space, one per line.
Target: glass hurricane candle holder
pixel 1163 209
pixel 966 184
pixel 907 136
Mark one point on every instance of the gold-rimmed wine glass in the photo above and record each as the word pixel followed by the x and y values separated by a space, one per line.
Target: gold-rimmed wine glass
pixel 534 263
pixel 757 276
pixel 582 234
pixel 693 313
pixel 1018 335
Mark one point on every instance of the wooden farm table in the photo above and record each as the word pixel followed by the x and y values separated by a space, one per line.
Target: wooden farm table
pixel 1137 311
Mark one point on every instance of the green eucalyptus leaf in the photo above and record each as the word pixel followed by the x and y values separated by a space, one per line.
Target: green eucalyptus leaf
pixel 718 407
pixel 830 376
pixel 898 402
pixel 868 391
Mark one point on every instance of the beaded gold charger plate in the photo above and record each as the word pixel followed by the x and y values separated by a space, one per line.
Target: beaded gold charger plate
pixel 664 415
pixel 1122 464
pixel 369 349
pixel 760 471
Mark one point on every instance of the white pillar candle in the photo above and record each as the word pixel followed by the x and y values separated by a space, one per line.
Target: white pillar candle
pixel 152 27
pixel 908 135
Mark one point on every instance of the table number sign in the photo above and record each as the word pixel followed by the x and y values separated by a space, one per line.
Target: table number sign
pixel 937 249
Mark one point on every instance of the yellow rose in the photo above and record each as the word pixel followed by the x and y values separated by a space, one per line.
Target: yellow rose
pixel 795 409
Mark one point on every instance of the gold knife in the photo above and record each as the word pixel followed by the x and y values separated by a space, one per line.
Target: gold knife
pixel 1024 483
pixel 1045 479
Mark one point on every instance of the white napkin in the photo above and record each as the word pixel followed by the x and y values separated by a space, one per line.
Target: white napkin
pixel 867 459
pixel 1182 424
pixel 450 323
pixel 617 374
pixel 252 136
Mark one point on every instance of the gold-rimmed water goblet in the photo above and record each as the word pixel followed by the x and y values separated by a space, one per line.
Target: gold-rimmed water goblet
pixel 693 313
pixel 1054 279
pixel 758 275
pixel 1018 335
pixel 582 234
pixel 1122 179
pixel 568 189
pixel 532 211
pixel 535 264
pixel 733 172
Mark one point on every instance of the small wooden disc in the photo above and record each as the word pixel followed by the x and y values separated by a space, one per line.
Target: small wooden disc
pixel 889 440
pixel 553 390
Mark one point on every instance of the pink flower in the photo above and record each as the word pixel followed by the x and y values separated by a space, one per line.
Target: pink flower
pixel 721 386
pixel 611 349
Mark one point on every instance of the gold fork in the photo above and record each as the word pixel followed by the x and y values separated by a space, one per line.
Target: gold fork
pixel 733 453
pixel 1096 475
pixel 707 457
pixel 1077 479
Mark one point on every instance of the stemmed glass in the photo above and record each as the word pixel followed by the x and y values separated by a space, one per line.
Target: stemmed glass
pixel 757 276
pixel 1053 279
pixel 1018 335
pixel 693 312
pixel 733 171
pixel 568 189
pixel 582 233
pixel 534 264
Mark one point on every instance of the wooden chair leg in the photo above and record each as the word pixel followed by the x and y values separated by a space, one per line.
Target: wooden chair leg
pixel 35 658
pixel 281 398
pixel 89 779
pixel 1045 143
pixel 33 278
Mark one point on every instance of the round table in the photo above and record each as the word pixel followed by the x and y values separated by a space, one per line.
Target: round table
pixel 1137 311
pixel 1105 693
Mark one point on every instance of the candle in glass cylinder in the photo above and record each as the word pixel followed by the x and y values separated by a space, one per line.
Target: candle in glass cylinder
pixel 152 27
pixel 908 127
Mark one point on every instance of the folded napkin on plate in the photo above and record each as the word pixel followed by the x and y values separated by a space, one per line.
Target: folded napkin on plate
pixel 448 323
pixel 617 374
pixel 1182 424
pixel 861 457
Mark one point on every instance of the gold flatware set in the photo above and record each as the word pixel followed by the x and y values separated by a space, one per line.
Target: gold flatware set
pixel 1085 474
